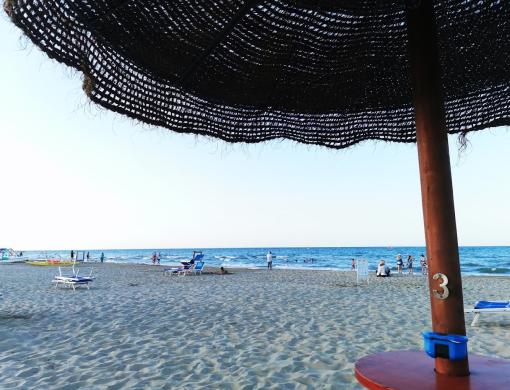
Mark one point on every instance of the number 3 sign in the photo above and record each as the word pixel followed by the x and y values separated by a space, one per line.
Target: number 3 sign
pixel 446 292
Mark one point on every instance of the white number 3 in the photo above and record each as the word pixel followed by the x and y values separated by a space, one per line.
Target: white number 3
pixel 446 292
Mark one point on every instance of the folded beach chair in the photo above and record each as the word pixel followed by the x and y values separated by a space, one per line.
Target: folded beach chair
pixel 198 256
pixel 488 307
pixel 72 279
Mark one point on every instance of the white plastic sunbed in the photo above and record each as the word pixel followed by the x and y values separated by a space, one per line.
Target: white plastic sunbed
pixel 73 279
pixel 179 270
pixel 488 307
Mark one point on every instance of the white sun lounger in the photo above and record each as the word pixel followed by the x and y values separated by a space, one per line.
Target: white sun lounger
pixel 73 279
pixel 488 307
pixel 187 270
pixel 182 270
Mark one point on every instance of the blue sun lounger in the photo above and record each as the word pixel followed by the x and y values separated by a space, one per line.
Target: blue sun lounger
pixel 488 307
pixel 197 270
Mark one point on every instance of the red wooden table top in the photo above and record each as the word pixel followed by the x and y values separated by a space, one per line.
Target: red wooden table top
pixel 414 370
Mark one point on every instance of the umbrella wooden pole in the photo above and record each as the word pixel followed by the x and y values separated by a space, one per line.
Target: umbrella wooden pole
pixel 436 182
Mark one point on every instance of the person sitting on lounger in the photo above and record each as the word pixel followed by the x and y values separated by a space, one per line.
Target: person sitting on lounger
pixel 383 270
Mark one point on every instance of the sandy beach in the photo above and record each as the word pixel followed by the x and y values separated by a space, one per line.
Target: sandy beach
pixel 287 329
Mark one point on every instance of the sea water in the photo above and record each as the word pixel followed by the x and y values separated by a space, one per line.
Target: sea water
pixel 477 260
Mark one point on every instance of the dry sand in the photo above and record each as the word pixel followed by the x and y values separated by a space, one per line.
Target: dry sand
pixel 138 329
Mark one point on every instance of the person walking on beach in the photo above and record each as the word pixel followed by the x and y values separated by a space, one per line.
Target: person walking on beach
pixel 159 258
pixel 269 258
pixel 72 255
pixel 353 265
pixel 410 260
pixel 102 257
pixel 424 265
pixel 88 256
pixel 400 264
pixel 154 257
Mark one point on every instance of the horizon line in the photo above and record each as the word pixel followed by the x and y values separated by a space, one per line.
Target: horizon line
pixel 258 247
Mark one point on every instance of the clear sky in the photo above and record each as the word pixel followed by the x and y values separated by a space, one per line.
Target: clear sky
pixel 76 176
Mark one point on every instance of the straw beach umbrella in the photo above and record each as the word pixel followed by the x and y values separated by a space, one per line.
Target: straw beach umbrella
pixel 323 72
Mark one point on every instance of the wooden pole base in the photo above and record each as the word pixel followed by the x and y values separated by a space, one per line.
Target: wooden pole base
pixel 414 370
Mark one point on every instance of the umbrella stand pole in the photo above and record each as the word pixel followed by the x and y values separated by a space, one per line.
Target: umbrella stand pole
pixel 436 183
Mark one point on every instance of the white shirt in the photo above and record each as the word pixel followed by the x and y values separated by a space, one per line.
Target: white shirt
pixel 269 257
pixel 381 270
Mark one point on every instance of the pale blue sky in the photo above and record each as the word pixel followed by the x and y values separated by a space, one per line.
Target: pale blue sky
pixel 77 176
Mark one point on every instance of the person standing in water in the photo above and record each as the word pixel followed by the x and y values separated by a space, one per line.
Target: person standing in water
pixel 269 258
pixel 423 263
pixel 400 263
pixel 159 258
pixel 353 265
pixel 88 256
pixel 102 257
pixel 72 254
pixel 410 260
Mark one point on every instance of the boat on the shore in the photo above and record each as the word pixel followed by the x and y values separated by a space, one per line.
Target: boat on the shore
pixel 9 255
pixel 50 262
pixel 47 260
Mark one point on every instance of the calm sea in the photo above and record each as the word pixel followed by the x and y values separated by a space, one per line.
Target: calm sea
pixel 474 260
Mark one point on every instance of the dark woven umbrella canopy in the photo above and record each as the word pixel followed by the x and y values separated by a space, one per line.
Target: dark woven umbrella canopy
pixel 326 72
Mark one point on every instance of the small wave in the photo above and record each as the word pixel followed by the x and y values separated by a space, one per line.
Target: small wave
pixel 493 270
pixel 470 264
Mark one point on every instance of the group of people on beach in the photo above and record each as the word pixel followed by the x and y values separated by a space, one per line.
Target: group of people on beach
pixel 384 270
pixel 87 256
pixel 73 254
pixel 156 258
pixel 409 264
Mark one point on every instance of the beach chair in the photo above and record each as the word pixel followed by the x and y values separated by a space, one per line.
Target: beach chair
pixel 72 279
pixel 488 307
pixel 197 256
pixel 361 271
pixel 197 270
pixel 182 270
pixel 188 269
